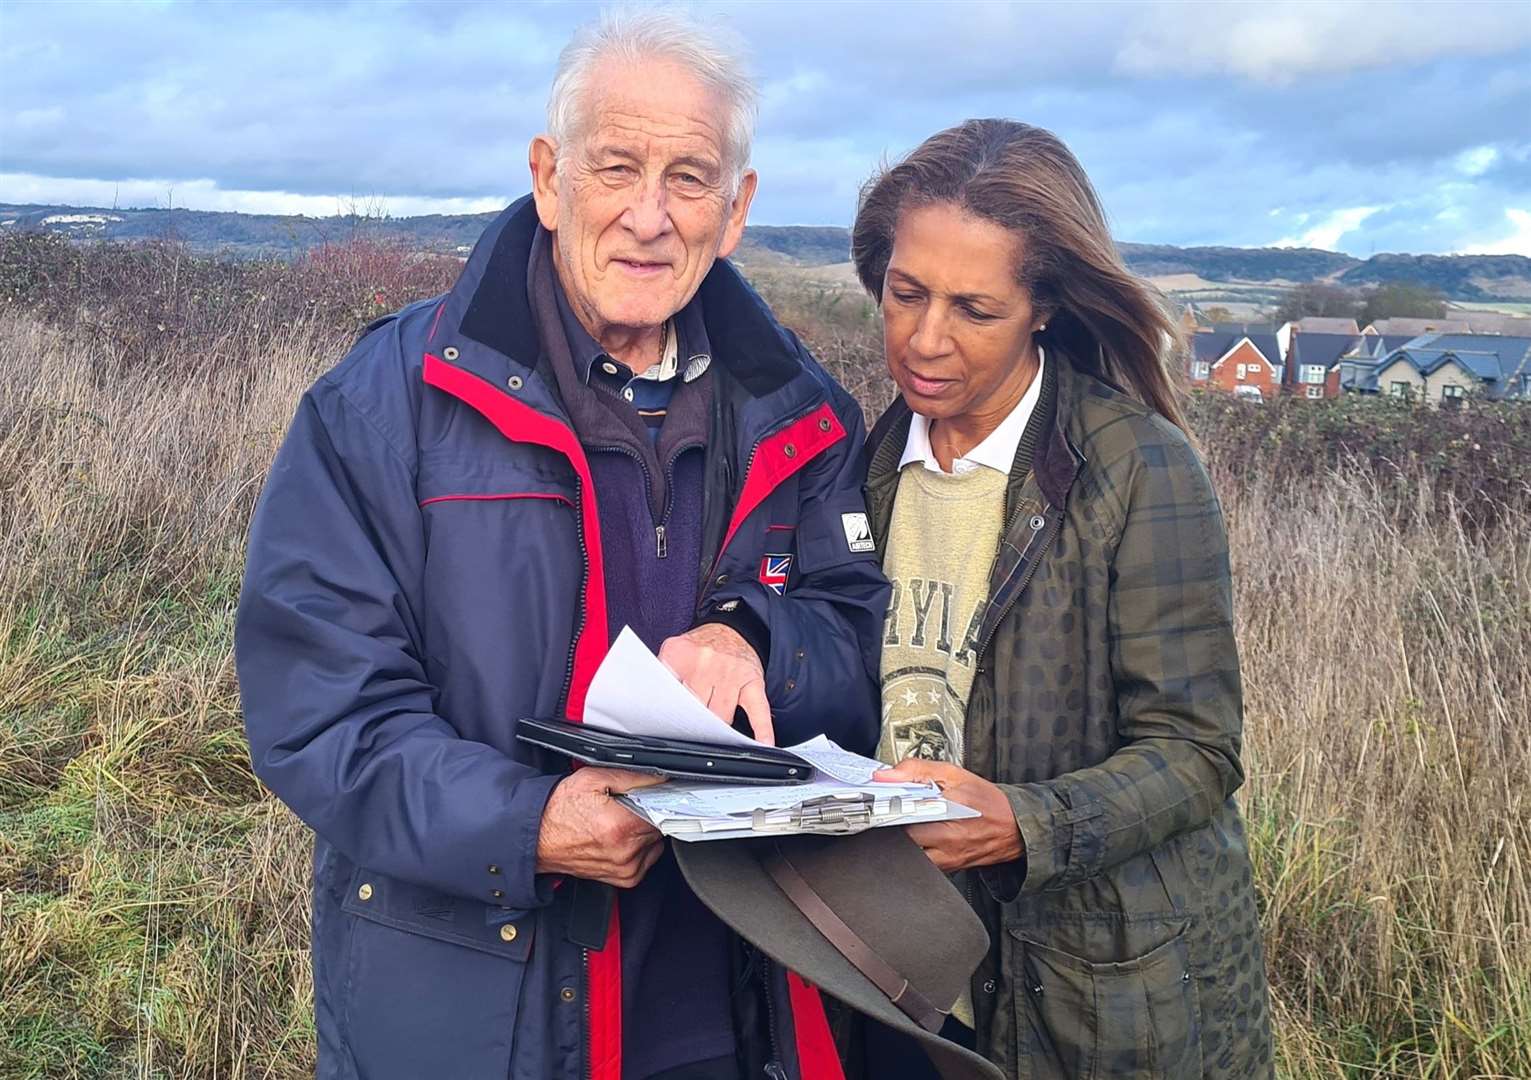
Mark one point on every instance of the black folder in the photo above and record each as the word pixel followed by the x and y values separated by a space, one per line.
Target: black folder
pixel 667 757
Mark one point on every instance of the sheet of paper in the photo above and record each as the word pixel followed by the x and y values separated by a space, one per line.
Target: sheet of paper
pixel 826 756
pixel 634 693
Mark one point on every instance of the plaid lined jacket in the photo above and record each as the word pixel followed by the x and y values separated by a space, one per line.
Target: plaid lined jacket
pixel 1107 704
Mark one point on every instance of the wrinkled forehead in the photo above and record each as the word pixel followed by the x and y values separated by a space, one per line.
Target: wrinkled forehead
pixel 653 107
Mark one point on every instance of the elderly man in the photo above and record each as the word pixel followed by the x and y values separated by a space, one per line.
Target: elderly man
pixel 599 426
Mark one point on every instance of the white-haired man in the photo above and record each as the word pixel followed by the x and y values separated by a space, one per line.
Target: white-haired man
pixel 599 426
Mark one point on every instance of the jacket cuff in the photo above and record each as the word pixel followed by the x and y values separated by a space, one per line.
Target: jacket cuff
pixel 522 885
pixel 1061 842
pixel 742 620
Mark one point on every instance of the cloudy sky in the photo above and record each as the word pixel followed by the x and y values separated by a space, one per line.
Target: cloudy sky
pixel 1360 127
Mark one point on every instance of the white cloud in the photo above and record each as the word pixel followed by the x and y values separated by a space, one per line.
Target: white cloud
pixel 1280 41
pixel 1476 161
pixel 1327 233
pixel 207 195
pixel 1518 242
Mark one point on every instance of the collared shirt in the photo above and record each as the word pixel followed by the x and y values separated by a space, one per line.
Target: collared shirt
pixel 996 451
pixel 649 393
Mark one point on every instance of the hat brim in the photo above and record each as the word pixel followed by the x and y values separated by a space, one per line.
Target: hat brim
pixel 728 877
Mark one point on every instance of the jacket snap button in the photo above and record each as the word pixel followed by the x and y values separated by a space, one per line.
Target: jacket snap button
pixel 515 382
pixel 1185 976
pixel 722 579
pixel 507 932
pixel 567 993
pixel 823 425
pixel 791 450
pixel 1037 989
pixel 450 352
pixel 1038 522
pixel 493 869
pixel 988 986
pixel 496 893
pixel 365 892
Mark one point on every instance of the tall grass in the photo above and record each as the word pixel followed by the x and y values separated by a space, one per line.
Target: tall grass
pixel 153 917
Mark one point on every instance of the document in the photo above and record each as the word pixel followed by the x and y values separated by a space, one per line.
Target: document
pixel 634 693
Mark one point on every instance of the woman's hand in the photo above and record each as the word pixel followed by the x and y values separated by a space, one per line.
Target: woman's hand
pixel 991 838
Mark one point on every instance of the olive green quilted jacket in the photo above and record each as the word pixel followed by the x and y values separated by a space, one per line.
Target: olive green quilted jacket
pixel 1107 704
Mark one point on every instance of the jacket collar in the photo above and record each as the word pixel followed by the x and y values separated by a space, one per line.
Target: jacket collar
pixel 487 316
pixel 1045 452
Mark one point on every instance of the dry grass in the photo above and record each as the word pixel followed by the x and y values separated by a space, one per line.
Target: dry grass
pixel 153 902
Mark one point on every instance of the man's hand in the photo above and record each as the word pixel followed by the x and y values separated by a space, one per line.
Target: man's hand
pixel 588 834
pixel 956 845
pixel 720 668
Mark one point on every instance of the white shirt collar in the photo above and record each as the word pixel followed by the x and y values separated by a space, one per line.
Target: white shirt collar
pixel 669 360
pixel 996 451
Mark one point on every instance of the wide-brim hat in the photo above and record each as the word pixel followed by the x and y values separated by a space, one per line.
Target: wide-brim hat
pixel 848 913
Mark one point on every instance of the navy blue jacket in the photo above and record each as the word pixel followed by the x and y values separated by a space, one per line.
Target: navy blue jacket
pixel 424 568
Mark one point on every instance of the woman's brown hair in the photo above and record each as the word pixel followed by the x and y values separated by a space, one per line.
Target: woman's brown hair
pixel 1109 322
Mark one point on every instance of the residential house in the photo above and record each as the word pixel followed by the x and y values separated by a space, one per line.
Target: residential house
pixel 1360 365
pixel 1493 322
pixel 1414 327
pixel 1314 324
pixel 1313 362
pixel 1444 369
pixel 1321 324
pixel 1246 364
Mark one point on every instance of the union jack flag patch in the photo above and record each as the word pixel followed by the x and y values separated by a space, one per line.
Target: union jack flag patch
pixel 773 573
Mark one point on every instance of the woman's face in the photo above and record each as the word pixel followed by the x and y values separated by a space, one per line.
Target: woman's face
pixel 956 326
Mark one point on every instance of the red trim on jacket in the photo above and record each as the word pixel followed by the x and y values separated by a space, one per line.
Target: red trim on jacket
pixel 817 1058
pixel 496 498
pixel 605 989
pixel 519 422
pixel 779 456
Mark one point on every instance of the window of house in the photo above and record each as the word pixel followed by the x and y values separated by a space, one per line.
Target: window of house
pixel 1399 389
pixel 1313 373
pixel 1452 395
pixel 1201 369
pixel 1254 369
pixel 1243 368
pixel 1315 391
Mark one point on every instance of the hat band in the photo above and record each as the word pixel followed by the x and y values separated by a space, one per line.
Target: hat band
pixel 862 956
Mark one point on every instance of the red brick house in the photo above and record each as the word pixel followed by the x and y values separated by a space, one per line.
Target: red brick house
pixel 1312 369
pixel 1246 364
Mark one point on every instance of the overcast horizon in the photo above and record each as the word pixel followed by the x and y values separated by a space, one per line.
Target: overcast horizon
pixel 1360 128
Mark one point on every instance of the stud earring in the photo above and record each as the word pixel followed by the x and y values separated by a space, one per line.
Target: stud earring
pixel 1041 328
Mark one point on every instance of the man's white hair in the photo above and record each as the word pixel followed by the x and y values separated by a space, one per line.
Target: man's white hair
pixel 712 55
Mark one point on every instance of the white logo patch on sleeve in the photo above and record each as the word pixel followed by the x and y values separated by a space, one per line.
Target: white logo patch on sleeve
pixel 858 532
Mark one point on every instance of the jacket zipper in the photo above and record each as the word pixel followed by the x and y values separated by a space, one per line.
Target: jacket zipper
pixel 661 538
pixel 774 1068
pixel 584 592
pixel 584 989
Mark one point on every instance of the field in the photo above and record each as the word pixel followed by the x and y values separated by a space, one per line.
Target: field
pixel 153 898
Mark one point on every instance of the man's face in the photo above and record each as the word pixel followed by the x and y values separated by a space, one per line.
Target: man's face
pixel 641 202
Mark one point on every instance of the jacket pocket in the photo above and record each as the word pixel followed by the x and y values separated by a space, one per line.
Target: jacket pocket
pixel 1137 1018
pixel 433 982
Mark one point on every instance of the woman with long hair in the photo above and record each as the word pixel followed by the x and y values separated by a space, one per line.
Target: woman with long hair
pixel 1059 650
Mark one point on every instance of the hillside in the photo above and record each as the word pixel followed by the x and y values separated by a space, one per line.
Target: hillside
pixel 1264 270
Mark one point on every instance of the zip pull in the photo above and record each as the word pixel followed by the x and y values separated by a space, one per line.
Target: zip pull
pixel 775 1071
pixel 661 545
